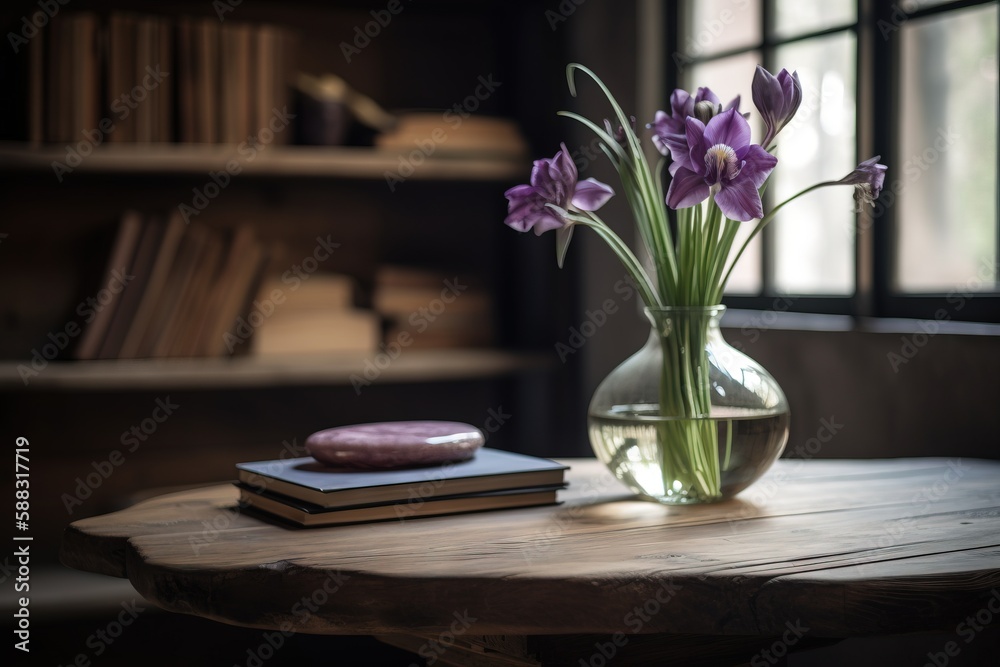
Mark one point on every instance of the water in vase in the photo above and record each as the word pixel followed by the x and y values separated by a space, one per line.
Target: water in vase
pixel 636 446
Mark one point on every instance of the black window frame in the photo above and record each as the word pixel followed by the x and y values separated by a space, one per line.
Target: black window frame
pixel 878 30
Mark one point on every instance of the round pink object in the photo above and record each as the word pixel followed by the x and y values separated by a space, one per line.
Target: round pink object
pixel 395 444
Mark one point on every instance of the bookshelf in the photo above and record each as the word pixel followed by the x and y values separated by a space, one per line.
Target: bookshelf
pixel 446 216
pixel 415 366
pixel 274 161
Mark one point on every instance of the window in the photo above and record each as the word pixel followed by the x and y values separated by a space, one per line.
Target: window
pixel 912 80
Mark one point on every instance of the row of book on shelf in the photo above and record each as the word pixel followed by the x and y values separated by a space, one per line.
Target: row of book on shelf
pixel 199 291
pixel 125 77
pixel 117 76
pixel 308 493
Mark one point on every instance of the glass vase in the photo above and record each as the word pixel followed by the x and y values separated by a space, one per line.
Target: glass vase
pixel 688 418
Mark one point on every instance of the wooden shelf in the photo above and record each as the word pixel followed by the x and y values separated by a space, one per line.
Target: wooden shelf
pixel 253 372
pixel 318 161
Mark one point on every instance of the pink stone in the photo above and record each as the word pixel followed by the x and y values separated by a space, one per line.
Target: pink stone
pixel 395 444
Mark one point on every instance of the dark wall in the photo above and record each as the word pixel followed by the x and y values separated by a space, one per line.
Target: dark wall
pixel 895 391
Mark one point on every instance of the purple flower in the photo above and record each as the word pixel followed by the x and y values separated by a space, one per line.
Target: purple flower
pixel 618 132
pixel 776 98
pixel 553 182
pixel 669 133
pixel 867 178
pixel 721 161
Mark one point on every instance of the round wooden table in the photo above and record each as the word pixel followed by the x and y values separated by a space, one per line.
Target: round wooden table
pixel 816 550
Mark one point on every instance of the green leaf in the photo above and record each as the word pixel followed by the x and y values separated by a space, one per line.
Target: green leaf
pixel 563 236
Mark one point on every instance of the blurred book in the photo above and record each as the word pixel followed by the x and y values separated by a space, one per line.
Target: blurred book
pixel 125 77
pixel 313 316
pixel 119 261
pixel 231 296
pixel 437 309
pixel 139 272
pixel 141 328
pixel 317 332
pixel 450 131
pixel 184 290
pixel 71 70
pixel 319 291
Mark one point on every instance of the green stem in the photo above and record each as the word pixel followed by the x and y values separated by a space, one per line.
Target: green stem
pixel 763 223
pixel 689 439
pixel 625 254
pixel 645 191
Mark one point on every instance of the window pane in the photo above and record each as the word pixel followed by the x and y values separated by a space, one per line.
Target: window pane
pixel 947 179
pixel 729 77
pixel 746 277
pixel 910 6
pixel 814 236
pixel 795 17
pixel 714 26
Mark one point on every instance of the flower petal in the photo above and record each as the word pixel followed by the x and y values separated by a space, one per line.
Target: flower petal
pixel 791 93
pixel 591 194
pixel 662 126
pixel 522 202
pixel 527 210
pixel 705 94
pixel 728 128
pixel 538 168
pixel 531 217
pixel 695 133
pixel 758 164
pixel 686 189
pixel 545 220
pixel 677 148
pixel 519 192
pixel 766 94
pixel 739 200
pixel 565 163
pixel 776 98
pixel 522 221
pixel 681 106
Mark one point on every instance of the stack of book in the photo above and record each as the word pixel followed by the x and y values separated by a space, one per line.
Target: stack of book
pixel 173 290
pixel 314 316
pixel 437 309
pixel 308 493
pixel 448 131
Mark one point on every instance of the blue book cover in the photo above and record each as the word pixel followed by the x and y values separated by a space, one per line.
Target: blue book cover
pixel 307 479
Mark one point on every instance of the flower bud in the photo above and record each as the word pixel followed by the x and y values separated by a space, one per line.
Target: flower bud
pixel 705 110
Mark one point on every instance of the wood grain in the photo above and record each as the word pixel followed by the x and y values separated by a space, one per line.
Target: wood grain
pixel 846 548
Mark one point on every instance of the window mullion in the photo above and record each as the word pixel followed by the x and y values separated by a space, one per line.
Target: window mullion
pixel 863 301
pixel 885 105
pixel 768 247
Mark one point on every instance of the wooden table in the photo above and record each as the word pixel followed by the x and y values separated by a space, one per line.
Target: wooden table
pixel 816 550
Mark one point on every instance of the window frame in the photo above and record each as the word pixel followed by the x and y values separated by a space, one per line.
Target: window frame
pixel 878 88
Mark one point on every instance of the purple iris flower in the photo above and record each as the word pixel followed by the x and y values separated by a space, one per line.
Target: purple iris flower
pixel 722 162
pixel 669 133
pixel 776 98
pixel 868 178
pixel 553 182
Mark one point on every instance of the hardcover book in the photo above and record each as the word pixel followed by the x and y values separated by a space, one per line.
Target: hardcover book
pixel 309 514
pixel 308 480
